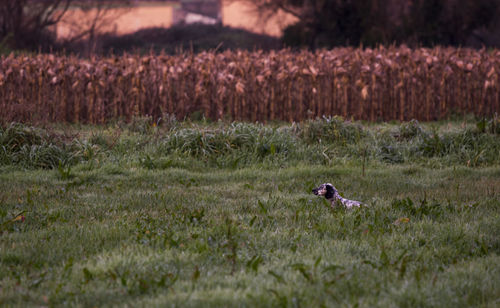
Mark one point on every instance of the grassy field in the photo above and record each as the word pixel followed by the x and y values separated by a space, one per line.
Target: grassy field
pixel 219 214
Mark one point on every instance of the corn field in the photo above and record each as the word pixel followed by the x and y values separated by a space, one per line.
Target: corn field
pixel 395 83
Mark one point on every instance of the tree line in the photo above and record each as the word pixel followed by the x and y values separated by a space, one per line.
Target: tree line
pixel 330 23
pixel 28 24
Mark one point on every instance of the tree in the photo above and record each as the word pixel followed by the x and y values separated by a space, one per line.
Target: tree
pixel 328 23
pixel 30 24
pixel 452 22
pixel 24 24
pixel 93 17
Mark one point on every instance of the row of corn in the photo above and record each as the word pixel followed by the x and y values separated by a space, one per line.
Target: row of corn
pixel 395 83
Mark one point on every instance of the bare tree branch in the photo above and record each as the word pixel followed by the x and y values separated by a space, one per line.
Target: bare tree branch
pixel 25 22
pixel 93 18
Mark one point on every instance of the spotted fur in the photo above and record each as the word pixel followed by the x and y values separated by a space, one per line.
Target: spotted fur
pixel 331 194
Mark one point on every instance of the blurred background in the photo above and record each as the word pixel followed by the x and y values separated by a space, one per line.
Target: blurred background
pixel 89 27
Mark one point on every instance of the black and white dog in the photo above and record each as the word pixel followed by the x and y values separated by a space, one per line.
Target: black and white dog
pixel 331 194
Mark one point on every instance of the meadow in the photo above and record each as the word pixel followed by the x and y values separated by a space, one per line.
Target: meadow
pixel 168 213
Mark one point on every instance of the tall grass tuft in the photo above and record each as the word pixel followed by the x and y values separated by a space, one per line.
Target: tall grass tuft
pixel 237 144
pixel 245 142
pixel 31 147
pixel 331 130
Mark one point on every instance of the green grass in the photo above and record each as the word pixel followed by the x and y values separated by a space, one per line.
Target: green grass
pixel 216 214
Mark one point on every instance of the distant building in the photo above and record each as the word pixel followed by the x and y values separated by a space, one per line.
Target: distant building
pixel 198 11
pixel 165 13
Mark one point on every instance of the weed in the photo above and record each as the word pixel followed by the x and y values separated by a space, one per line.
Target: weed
pixel 64 172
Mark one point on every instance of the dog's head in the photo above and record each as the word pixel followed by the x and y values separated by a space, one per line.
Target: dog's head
pixel 326 190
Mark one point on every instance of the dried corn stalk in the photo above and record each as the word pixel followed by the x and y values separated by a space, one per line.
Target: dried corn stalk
pixel 370 84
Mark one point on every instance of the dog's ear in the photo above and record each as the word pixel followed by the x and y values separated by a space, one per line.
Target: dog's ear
pixel 330 192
